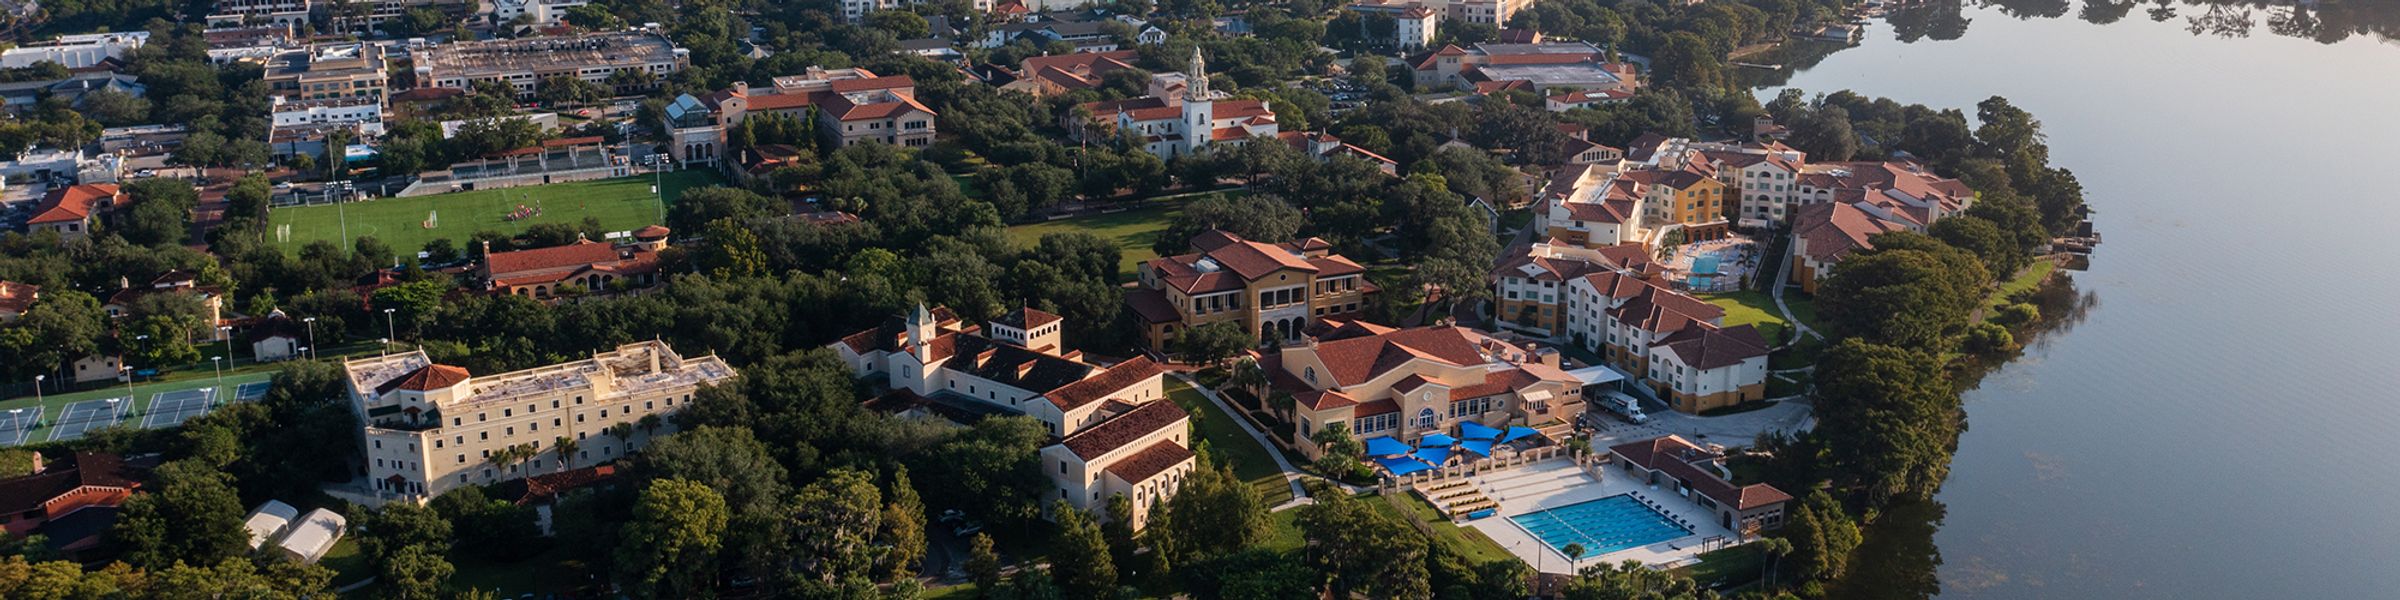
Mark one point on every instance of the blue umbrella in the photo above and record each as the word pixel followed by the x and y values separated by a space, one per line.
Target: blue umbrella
pixel 1403 465
pixel 1480 447
pixel 1476 431
pixel 1436 441
pixel 1384 445
pixel 1434 454
pixel 1515 433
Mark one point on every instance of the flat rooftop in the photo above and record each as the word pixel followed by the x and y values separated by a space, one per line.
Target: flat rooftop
pixel 630 369
pixel 1577 74
pixel 498 57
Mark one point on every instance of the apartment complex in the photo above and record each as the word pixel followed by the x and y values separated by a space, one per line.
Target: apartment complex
pixel 1824 234
pixel 1494 13
pixel 523 63
pixel 1529 284
pixel 429 428
pixel 1271 290
pixel 1674 343
pixel 362 113
pixel 289 13
pixel 1408 383
pixel 329 71
pixel 1114 432
pixel 1602 205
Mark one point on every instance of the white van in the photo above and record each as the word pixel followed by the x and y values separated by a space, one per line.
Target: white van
pixel 1625 407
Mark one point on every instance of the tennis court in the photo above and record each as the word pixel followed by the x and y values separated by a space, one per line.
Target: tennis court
pixel 252 391
pixel 17 425
pixel 173 408
pixel 82 417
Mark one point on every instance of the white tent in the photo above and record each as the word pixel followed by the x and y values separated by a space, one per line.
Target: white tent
pixel 269 521
pixel 312 535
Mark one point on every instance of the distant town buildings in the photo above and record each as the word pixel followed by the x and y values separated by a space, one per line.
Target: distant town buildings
pixel 850 106
pixel 1541 68
pixel 330 71
pixel 429 428
pixel 523 63
pixel 82 51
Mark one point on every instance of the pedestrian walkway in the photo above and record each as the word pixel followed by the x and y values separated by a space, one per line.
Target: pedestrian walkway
pixel 1289 472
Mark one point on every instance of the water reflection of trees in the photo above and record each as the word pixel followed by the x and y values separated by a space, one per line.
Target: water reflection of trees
pixel 2325 22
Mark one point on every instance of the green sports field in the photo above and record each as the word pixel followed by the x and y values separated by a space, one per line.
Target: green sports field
pixel 621 204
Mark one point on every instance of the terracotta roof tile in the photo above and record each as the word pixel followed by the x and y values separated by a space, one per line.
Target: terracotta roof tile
pixel 1117 378
pixel 426 378
pixel 1151 461
pixel 72 203
pixel 1674 456
pixel 1124 429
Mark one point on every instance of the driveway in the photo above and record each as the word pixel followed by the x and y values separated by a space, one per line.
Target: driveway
pixel 1736 430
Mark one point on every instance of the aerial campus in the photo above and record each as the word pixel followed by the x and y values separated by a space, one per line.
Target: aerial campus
pixel 1390 299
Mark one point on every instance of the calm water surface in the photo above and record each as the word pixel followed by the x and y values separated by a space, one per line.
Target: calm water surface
pixel 2224 420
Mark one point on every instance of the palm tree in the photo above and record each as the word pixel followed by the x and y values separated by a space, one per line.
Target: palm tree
pixel 623 432
pixel 650 425
pixel 1574 553
pixel 565 447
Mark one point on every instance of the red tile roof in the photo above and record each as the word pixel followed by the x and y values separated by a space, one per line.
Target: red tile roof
pixel 1707 348
pixel 426 378
pixel 1152 305
pixel 17 297
pixel 1674 456
pixel 1117 378
pixel 1151 461
pixel 72 203
pixel 578 254
pixel 1124 429
pixel 547 486
pixel 87 469
pixel 1356 360
pixel 1835 229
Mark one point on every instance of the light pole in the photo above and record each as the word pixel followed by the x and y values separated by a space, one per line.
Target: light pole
pixel 227 331
pixel 658 182
pixel 220 367
pixel 312 335
pixel 37 389
pixel 388 334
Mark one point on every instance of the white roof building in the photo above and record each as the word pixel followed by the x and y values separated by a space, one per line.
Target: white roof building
pixel 313 535
pixel 269 521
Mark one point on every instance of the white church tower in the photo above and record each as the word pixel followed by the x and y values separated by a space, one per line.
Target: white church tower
pixel 1199 114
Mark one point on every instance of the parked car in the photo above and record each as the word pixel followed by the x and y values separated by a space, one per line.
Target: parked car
pixel 966 528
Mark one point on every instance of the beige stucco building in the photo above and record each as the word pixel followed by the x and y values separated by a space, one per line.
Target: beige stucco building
pixel 1271 290
pixel 1408 383
pixel 429 428
pixel 1114 432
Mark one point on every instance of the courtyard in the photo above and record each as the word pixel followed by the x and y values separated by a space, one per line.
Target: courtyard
pixel 1720 265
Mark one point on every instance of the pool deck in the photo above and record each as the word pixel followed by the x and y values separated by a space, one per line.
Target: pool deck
pixel 1557 483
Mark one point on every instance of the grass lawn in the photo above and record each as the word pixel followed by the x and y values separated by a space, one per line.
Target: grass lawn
pixel 347 563
pixel 1133 231
pixel 1250 461
pixel 956 592
pixel 621 204
pixel 1727 567
pixel 1751 308
pixel 1284 531
pixel 2032 277
pixel 543 573
pixel 1466 541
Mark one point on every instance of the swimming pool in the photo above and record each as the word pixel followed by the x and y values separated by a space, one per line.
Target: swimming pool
pixel 1705 264
pixel 1602 526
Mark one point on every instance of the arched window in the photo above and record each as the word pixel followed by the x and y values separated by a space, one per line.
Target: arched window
pixel 1426 418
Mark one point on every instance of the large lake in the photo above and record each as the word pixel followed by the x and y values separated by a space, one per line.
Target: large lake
pixel 2224 419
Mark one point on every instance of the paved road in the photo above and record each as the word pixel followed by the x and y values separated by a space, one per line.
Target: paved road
pixel 1787 415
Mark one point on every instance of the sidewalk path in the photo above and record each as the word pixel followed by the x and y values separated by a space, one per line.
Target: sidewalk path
pixel 1783 276
pixel 1291 475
